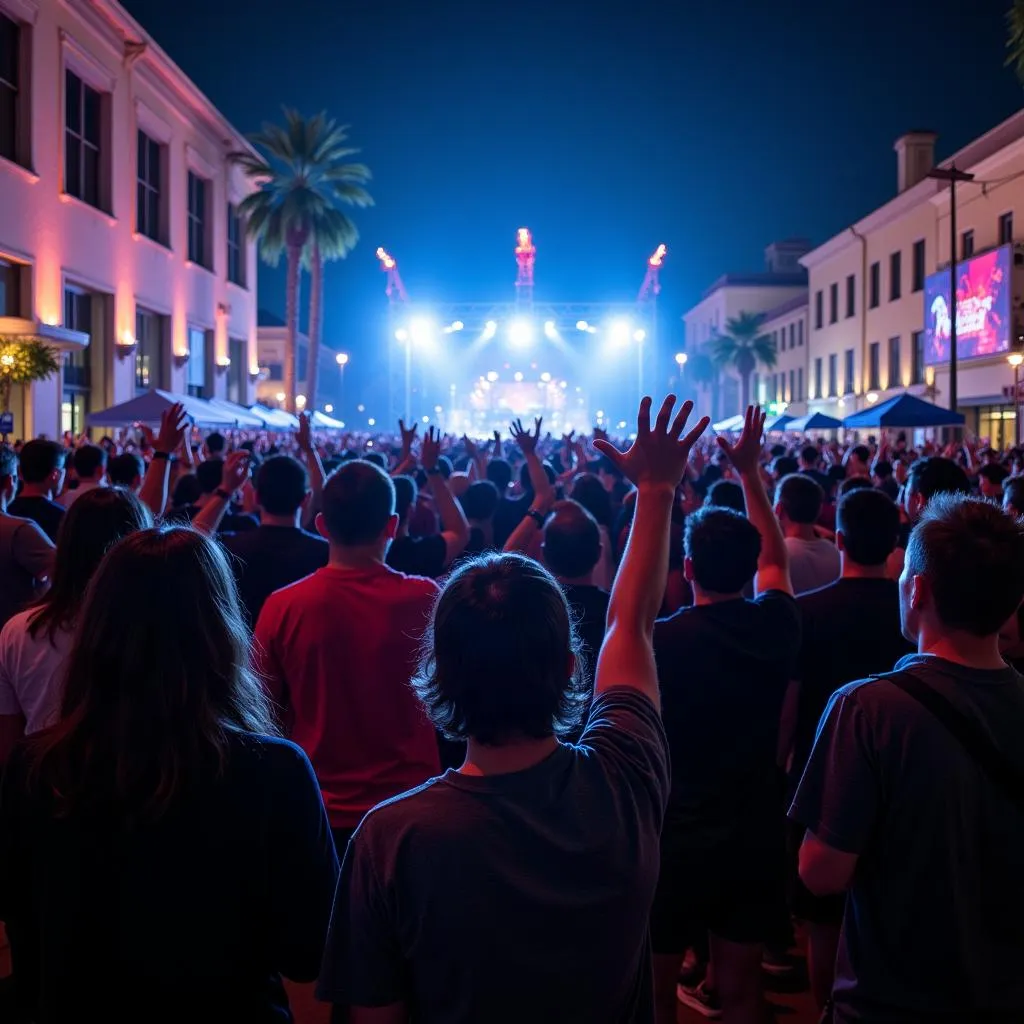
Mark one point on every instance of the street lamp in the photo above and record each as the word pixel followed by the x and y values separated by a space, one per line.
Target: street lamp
pixel 342 360
pixel 1015 359
pixel 680 359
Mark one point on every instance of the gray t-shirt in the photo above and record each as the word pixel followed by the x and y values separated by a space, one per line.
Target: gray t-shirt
pixel 934 929
pixel 26 558
pixel 812 563
pixel 512 898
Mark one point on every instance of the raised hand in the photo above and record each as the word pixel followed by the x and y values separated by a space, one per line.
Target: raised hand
pixel 304 436
pixel 745 454
pixel 658 456
pixel 408 435
pixel 174 429
pixel 527 442
pixel 431 449
pixel 235 471
pixel 600 434
pixel 471 449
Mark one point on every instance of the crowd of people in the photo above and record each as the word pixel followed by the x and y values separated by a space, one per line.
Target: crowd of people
pixel 537 729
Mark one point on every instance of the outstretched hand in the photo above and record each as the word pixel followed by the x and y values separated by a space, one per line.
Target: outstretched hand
pixel 430 452
pixel 174 427
pixel 522 437
pixel 408 435
pixel 658 456
pixel 745 454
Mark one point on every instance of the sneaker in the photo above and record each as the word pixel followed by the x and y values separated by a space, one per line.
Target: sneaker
pixel 700 998
pixel 778 963
pixel 692 973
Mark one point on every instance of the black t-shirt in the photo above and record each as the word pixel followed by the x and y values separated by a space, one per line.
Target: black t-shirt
pixel 590 612
pixel 419 556
pixel 47 514
pixel 545 876
pixel 269 558
pixel 508 516
pixel 193 918
pixel 851 630
pixel 723 670
pixel 231 522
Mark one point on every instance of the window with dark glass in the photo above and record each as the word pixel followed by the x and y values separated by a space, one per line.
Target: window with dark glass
pixel 967 245
pixel 833 375
pixel 833 302
pixel 894 363
pixel 198 249
pixel 195 380
pixel 148 188
pixel 792 335
pixel 799 332
pixel 82 140
pixel 818 392
pixel 819 306
pixel 10 72
pixel 237 370
pixel 10 288
pixel 149 354
pixel 799 383
pixel 874 285
pixel 77 317
pixel 851 296
pixel 1005 223
pixel 236 247
pixel 874 364
pixel 917 357
pixel 792 381
pixel 849 386
pixel 918 269
pixel 895 276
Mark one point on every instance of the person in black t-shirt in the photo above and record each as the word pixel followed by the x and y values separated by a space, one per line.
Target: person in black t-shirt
pixel 480 501
pixel 208 476
pixel 41 468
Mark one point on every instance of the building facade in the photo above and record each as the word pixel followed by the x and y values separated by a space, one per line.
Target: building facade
pixel 271 344
pixel 120 240
pixel 783 387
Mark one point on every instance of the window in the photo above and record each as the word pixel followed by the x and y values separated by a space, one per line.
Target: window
pixel 275 371
pixel 818 306
pixel 874 358
pixel 12 296
pixel 775 340
pixel 851 296
pixel 849 387
pixel 198 248
pixel 874 285
pixel 967 245
pixel 833 375
pixel 77 317
pixel 895 276
pixel 894 363
pixel 792 382
pixel 1005 222
pixel 817 378
pixel 792 335
pixel 149 352
pixel 799 383
pixel 237 370
pixel 82 114
pixel 148 188
pixel 833 303
pixel 195 377
pixel 917 357
pixel 800 332
pixel 918 269
pixel 236 247
pixel 10 78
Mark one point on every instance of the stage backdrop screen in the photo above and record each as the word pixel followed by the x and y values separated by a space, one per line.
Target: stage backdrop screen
pixel 983 318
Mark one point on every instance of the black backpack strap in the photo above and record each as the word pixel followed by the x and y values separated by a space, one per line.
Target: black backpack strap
pixel 968 733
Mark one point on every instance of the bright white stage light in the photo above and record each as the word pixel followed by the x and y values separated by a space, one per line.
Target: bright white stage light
pixel 372 422
pixel 563 384
pixel 328 409
pixel 401 334
pixel 622 424
pixel 550 330
pixel 456 325
pixel 582 325
pixel 426 419
pixel 360 408
pixel 438 409
pixel 520 333
pixel 600 414
pixel 518 377
pixel 639 334
pixel 421 330
pixel 492 376
pixel 618 331
pixel 490 329
pixel 545 376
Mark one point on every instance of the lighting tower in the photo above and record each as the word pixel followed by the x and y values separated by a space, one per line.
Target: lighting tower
pixel 648 296
pixel 652 286
pixel 526 253
pixel 395 290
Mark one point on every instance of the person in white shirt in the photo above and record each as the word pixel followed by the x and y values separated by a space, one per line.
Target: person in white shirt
pixel 89 464
pixel 813 561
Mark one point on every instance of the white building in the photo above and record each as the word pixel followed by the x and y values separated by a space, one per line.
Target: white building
pixel 117 217
pixel 271 342
pixel 784 385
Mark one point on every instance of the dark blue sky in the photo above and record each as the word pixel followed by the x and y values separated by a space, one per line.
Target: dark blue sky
pixel 606 127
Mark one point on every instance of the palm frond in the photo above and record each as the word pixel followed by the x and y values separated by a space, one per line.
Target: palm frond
pixel 1015 39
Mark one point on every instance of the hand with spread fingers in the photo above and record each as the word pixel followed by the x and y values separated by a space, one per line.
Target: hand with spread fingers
pixel 745 454
pixel 527 442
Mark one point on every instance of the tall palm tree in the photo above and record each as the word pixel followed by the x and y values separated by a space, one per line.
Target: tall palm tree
pixel 741 347
pixel 299 184
pixel 1015 38
pixel 701 369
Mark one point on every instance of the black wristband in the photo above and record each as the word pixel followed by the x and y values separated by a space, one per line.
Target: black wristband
pixel 221 493
pixel 161 455
pixel 537 517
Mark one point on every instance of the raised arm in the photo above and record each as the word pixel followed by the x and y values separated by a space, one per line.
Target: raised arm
pixel 315 468
pixel 174 430
pixel 454 525
pixel 655 464
pixel 233 475
pixel 745 455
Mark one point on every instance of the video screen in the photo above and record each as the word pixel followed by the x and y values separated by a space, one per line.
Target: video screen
pixel 983 317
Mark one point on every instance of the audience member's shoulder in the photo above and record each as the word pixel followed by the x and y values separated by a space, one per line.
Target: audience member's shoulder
pixel 420 585
pixel 277 755
pixel 409 810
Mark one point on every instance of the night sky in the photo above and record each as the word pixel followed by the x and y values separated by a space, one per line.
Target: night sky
pixel 606 127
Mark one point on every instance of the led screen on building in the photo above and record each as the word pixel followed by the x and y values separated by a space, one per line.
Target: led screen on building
pixel 983 317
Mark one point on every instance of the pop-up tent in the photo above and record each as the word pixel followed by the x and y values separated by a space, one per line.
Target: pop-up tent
pixel 275 419
pixel 904 410
pixel 325 422
pixel 148 409
pixel 733 425
pixel 242 416
pixel 779 423
pixel 813 421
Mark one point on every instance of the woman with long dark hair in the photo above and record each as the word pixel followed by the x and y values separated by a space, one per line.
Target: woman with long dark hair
pixel 162 857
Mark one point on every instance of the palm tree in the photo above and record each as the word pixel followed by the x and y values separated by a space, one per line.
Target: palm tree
pixel 1015 38
pixel 741 347
pixel 300 182
pixel 700 368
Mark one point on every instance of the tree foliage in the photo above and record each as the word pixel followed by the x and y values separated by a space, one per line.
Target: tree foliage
pixel 23 361
pixel 1015 38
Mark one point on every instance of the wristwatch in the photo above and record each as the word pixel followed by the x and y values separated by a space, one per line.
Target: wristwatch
pixel 161 455
pixel 537 517
pixel 221 493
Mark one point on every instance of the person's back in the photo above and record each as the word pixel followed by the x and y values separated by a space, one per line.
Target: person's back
pixel 42 473
pixel 813 561
pixel 899 811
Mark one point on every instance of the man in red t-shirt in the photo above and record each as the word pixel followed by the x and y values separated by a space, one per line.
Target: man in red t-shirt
pixel 337 651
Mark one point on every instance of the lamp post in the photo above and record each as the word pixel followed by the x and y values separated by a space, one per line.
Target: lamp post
pixel 1015 359
pixel 342 360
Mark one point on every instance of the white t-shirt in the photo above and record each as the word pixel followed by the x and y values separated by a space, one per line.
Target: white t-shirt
pixel 31 671
pixel 812 563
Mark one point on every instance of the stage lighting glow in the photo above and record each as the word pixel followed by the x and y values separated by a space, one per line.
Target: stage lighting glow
pixel 360 408
pixel 438 409
pixel 639 334
pixel 680 359
pixel 618 331
pixel 280 396
pixel 455 325
pixel 622 424
pixel 550 330
pixel 372 422
pixel 492 376
pixel 421 330
pixel 563 384
pixel 520 333
pixel 545 376
pixel 600 414
pixel 582 325
pixel 328 409
pixel 426 419
pixel 518 378
pixel 490 329
pixel 401 334
pixel 300 401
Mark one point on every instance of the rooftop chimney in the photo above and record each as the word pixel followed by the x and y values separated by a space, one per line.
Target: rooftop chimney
pixel 915 157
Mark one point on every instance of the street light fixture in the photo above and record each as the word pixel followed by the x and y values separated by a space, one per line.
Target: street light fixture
pixel 342 360
pixel 680 359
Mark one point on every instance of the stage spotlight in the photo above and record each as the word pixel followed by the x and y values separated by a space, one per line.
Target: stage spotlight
pixel 618 331
pixel 438 409
pixel 639 334
pixel 490 329
pixel 582 325
pixel 492 376
pixel 455 325
pixel 520 333
pixel 426 419
pixel 550 330
pixel 518 378
pixel 563 384
pixel 421 330
pixel 401 334
pixel 328 408
pixel 361 408
pixel 372 422
pixel 545 376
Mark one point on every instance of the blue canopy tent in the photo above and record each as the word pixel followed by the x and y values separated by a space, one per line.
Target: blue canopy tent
pixel 242 416
pixel 779 423
pixel 275 419
pixel 813 421
pixel 325 422
pixel 732 425
pixel 148 409
pixel 904 410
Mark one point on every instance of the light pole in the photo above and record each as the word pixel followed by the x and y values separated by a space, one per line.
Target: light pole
pixel 952 174
pixel 342 360
pixel 1015 359
pixel 405 338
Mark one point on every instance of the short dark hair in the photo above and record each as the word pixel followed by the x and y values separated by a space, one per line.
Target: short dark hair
pixel 882 468
pixel 281 485
pixel 89 459
pixel 588 490
pixel 215 443
pixel 994 473
pixel 480 500
pixel 499 472
pixel 378 459
pixel 936 475
pixel 495 663
pixel 784 465
pixel 38 459
pixel 124 469
pixel 855 483
pixel 862 452
pixel 869 521
pixel 726 494
pixel 572 540
pixel 723 546
pixel 406 493
pixel 801 498
pixel 1013 491
pixel 209 475
pixel 810 454
pixel 972 555
pixel 358 501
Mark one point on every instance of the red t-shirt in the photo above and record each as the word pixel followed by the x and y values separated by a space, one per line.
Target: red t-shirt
pixel 337 651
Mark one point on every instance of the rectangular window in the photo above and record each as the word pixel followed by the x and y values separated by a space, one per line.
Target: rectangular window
pixel 833 375
pixel 967 245
pixel 149 351
pixel 874 361
pixel 895 276
pixel 10 78
pixel 849 387
pixel 792 335
pixel 82 140
pixel 874 285
pixel 819 304
pixel 775 340
pixel 77 317
pixel 1005 223
pixel 148 188
pixel 195 378
pixel 833 302
pixel 237 370
pixel 800 332
pixel 851 296
pixel 799 383
pixel 11 295
pixel 818 392
pixel 918 282
pixel 198 221
pixel 895 377
pixel 917 357
pixel 236 247
pixel 792 382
